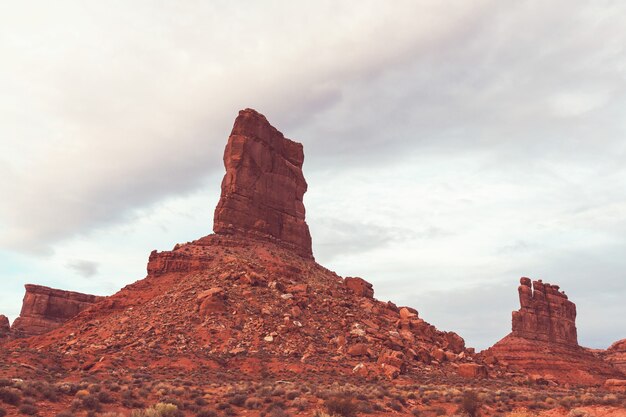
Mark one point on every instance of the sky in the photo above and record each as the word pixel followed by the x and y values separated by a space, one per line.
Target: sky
pixel 451 147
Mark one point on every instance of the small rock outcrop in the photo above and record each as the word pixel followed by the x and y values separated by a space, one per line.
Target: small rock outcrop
pixel 543 342
pixel 5 327
pixel 545 314
pixel 616 355
pixel 263 189
pixel 45 309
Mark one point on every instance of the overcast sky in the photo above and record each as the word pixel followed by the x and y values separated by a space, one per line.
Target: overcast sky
pixel 451 146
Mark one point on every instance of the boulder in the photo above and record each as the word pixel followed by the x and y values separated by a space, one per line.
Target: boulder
pixel 359 286
pixel 472 371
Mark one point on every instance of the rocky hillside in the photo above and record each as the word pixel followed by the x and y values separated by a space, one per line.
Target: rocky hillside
pixel 250 299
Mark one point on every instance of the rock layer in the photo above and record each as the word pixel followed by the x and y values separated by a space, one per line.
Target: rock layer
pixel 45 309
pixel 545 314
pixel 263 188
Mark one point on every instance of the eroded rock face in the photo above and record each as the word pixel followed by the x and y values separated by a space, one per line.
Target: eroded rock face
pixel 616 355
pixel 45 309
pixel 545 314
pixel 5 327
pixel 263 189
pixel 543 342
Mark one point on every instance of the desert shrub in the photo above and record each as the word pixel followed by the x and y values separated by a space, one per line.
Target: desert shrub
pixel 394 405
pixel 3 412
pixel 610 399
pixel 278 392
pixel 470 403
pixel 238 400
pixel 28 409
pixel 278 412
pixel 342 405
pixel 319 413
pixel 438 411
pixel 159 410
pixel 90 402
pixel 206 413
pixel 5 382
pixel 172 401
pixel 416 412
pixel 253 403
pixel 65 413
pixel 105 397
pixel 577 412
pixel 10 396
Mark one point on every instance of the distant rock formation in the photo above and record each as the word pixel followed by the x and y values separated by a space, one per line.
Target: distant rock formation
pixel 545 314
pixel 616 355
pixel 543 342
pixel 263 189
pixel 45 309
pixel 5 326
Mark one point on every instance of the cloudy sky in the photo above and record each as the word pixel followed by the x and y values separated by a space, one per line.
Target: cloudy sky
pixel 451 146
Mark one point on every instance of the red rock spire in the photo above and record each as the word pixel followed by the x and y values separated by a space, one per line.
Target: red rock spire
pixel 545 314
pixel 263 187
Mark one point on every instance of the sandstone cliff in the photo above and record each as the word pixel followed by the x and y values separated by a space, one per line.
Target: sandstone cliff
pixel 543 342
pixel 45 309
pixel 263 188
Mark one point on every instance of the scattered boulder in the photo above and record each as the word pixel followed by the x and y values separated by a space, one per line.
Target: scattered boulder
pixel 472 371
pixel 211 301
pixel 359 286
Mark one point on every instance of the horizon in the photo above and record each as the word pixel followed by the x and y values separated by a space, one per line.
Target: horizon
pixel 444 161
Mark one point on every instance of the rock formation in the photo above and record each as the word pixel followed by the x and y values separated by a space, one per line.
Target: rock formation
pixel 616 355
pixel 250 299
pixel 45 309
pixel 543 342
pixel 263 189
pixel 5 326
pixel 545 314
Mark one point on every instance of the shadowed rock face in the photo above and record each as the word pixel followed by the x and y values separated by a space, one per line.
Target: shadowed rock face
pixel 45 309
pixel 263 189
pixel 5 327
pixel 545 314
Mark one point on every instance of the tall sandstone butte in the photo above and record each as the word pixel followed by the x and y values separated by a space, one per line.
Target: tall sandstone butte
pixel 263 188
pixel 45 309
pixel 545 314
